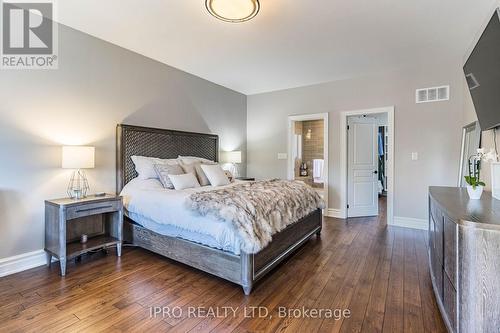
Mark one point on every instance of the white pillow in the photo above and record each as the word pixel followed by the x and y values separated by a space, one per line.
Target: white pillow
pixel 193 159
pixel 196 169
pixel 215 174
pixel 144 166
pixel 164 171
pixel 184 181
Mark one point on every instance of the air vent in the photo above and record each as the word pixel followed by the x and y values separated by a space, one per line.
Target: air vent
pixel 434 94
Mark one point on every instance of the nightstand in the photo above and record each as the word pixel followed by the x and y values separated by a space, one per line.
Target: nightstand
pixel 247 179
pixel 101 218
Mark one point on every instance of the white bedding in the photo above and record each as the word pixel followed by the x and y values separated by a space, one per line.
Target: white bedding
pixel 163 211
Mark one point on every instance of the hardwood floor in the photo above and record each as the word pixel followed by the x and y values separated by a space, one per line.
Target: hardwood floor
pixel 379 273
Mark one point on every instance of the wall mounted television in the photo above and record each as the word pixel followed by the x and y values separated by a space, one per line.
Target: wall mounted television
pixel 482 71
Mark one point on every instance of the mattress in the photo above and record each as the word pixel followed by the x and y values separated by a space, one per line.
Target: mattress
pixel 163 211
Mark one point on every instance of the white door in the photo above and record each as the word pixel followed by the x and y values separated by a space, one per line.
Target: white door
pixel 362 171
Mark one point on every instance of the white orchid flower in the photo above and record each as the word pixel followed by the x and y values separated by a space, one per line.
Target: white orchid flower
pixel 481 155
pixel 491 156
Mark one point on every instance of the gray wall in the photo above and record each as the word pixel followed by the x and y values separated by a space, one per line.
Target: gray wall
pixel 97 86
pixel 432 129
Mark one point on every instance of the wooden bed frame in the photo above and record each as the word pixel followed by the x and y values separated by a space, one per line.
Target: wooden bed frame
pixel 244 269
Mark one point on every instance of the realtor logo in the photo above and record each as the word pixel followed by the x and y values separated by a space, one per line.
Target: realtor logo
pixel 28 35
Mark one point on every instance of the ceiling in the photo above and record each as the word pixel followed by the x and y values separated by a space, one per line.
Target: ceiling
pixel 290 43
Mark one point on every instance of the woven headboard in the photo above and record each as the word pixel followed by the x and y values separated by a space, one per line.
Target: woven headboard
pixel 161 143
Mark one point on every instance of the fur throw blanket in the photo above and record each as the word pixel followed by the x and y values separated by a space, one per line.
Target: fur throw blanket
pixel 258 210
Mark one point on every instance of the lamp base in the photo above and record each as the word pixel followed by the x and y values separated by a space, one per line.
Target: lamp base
pixel 78 186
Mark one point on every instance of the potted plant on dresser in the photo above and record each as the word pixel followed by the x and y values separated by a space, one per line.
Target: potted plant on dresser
pixel 475 186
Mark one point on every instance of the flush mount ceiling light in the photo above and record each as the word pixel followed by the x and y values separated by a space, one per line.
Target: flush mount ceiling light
pixel 233 10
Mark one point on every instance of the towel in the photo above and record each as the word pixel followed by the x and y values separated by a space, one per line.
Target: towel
pixel 318 171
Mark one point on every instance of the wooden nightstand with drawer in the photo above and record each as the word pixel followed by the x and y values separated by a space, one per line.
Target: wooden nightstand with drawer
pixel 100 218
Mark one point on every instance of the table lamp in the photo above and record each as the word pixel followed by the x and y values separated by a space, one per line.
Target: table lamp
pixel 78 158
pixel 233 158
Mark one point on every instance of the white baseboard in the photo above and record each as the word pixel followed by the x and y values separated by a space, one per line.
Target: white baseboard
pixel 22 262
pixel 409 222
pixel 332 212
pixel 398 221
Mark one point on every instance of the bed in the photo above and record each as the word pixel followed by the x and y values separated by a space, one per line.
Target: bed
pixel 222 258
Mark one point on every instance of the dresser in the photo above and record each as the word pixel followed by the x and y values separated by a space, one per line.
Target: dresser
pixel 464 259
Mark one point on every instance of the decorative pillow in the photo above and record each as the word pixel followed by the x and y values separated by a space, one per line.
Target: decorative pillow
pixel 229 175
pixel 184 181
pixel 195 167
pixel 215 174
pixel 164 172
pixel 144 166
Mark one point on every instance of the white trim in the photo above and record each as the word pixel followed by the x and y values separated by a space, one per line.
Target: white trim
pixel 309 116
pixel 22 262
pixel 290 163
pixel 332 212
pixel 343 159
pixel 410 222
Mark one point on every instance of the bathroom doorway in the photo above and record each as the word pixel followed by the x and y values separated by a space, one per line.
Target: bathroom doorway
pixel 308 151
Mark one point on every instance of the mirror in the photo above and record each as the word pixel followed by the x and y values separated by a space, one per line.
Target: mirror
pixel 471 141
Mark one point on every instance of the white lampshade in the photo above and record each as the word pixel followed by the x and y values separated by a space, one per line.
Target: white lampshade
pixel 78 157
pixel 232 157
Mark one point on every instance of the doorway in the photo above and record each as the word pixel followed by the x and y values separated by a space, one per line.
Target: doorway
pixel 367 162
pixel 308 151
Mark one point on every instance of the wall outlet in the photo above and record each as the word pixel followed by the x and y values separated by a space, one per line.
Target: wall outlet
pixel 282 156
pixel 414 156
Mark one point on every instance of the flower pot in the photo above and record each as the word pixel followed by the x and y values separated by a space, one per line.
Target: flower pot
pixel 475 194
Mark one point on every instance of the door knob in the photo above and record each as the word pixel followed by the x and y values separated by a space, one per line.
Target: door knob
pixel 375 172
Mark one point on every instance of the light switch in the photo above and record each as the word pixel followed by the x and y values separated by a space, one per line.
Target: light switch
pixel 282 156
pixel 414 156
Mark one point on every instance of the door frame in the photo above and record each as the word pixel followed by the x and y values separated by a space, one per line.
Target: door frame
pixel 291 164
pixel 390 161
